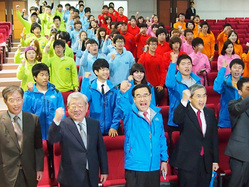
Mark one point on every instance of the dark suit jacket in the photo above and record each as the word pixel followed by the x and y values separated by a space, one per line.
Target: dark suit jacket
pixel 187 151
pixel 73 152
pixel 189 13
pixel 238 144
pixel 12 157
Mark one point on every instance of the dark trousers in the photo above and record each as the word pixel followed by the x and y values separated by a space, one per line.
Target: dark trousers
pixel 51 160
pixel 170 130
pixel 142 178
pixel 240 173
pixel 86 182
pixel 21 180
pixel 198 177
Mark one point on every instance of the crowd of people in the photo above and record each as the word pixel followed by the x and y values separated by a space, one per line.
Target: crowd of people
pixel 126 65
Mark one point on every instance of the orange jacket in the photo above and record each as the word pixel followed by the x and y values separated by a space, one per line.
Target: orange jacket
pixel 238 49
pixel 222 37
pixel 209 42
pixel 245 58
pixel 182 25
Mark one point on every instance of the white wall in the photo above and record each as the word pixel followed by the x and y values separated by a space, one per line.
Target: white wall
pixel 220 9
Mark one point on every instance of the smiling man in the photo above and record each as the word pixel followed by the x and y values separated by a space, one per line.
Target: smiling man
pixel 83 150
pixel 196 153
pixel 21 152
pixel 145 144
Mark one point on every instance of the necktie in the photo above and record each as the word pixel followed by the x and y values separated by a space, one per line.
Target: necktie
pixel 102 89
pixel 200 123
pixel 83 134
pixel 18 131
pixel 145 116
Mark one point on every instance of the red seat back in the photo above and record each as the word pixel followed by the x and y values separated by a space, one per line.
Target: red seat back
pixel 165 114
pixel 65 95
pixel 213 97
pixel 211 78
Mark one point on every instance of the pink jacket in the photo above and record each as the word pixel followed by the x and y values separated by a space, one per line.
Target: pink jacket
pixel 186 47
pixel 228 60
pixel 199 62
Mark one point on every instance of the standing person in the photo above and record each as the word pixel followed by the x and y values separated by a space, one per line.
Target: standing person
pixel 45 99
pixel 21 154
pixel 227 55
pixel 63 69
pixel 237 147
pixel 196 153
pixel 187 42
pixel 238 49
pixel 121 16
pixel 83 150
pixel 223 36
pixel 162 46
pixel 180 25
pixel 191 11
pixel 226 85
pixel 154 68
pixel 144 137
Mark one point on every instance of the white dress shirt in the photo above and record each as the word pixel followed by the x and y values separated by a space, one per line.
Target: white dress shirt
pixel 99 86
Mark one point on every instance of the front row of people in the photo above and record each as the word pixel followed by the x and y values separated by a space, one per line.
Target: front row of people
pixel 82 147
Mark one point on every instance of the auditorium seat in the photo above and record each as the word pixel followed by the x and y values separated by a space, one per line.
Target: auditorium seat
pixel 45 181
pixel 165 114
pixel 214 66
pixel 213 107
pixel 210 21
pixel 211 77
pixel 65 95
pixel 57 159
pixel 115 153
pixel 80 81
pixel 212 96
pixel 164 101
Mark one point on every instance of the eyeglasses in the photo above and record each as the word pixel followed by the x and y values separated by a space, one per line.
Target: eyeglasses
pixel 74 107
pixel 12 101
pixel 200 96
pixel 145 96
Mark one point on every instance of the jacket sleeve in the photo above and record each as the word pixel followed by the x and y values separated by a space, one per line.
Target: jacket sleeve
pixel 208 67
pixel 83 60
pixel 18 58
pixel 123 103
pixel 75 76
pixel 170 79
pixel 220 37
pixel 218 82
pixel 238 107
pixel 60 103
pixel 179 114
pixel 85 88
pixel 21 72
pixel 163 143
pixel 215 140
pixel 54 133
pixel 27 107
pixel 117 116
pixel 219 62
pixel 212 41
pixel 162 74
pixel 39 154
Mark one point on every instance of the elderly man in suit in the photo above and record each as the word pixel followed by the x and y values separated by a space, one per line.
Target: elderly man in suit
pixel 238 144
pixel 196 153
pixel 82 147
pixel 21 152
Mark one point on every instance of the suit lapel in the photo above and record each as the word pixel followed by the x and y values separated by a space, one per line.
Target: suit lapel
pixel 73 129
pixel 194 119
pixel 9 126
pixel 208 122
pixel 88 129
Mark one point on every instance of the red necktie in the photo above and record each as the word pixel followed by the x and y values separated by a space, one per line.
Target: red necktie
pixel 199 120
pixel 145 116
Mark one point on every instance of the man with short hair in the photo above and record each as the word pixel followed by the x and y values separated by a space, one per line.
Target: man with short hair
pixel 63 69
pixel 237 147
pixel 83 151
pixel 196 153
pixel 21 154
pixel 223 36
pixel 121 16
pixel 145 143
pixel 187 42
pixel 129 38
pixel 180 25
pixel 162 46
pixel 226 85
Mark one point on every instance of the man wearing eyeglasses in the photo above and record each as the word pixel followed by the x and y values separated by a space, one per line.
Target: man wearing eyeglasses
pixel 145 144
pixel 196 153
pixel 21 152
pixel 83 150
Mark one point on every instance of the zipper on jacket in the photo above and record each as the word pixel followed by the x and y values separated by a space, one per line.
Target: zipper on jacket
pixel 150 148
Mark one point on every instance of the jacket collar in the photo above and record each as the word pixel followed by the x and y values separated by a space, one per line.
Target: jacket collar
pixel 50 87
pixel 95 86
pixel 194 76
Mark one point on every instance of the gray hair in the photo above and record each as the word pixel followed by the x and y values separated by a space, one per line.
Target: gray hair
pixel 77 95
pixel 195 87
pixel 10 90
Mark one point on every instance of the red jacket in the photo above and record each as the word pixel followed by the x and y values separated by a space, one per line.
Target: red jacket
pixel 167 58
pixel 122 18
pixel 141 42
pixel 154 68
pixel 134 31
pixel 161 49
pixel 101 18
pixel 129 42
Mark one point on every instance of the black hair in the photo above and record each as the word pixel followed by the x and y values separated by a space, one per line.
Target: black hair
pixel 37 68
pixel 64 36
pixel 228 42
pixel 160 24
pixel 197 41
pixel 71 8
pixel 87 9
pixel 205 23
pixel 33 26
pixel 231 32
pixel 138 86
pixel 81 5
pixel 140 68
pixel 120 7
pixel 76 10
pixel 182 57
pixel 142 25
pixel 57 17
pixel 190 21
pixel 241 81
pixel 188 30
pixel 227 25
pixel 118 36
pixel 115 31
pixel 78 22
pixel 154 26
pixel 151 39
pixel 237 61
pixel 67 4
pixel 105 6
pixel 173 40
pixel 111 7
pixel 92 41
pixel 101 29
pixel 181 14
pixel 80 1
pixel 48 6
pixel 111 3
pixel 59 5
pixel 59 42
pixel 160 31
pixel 99 64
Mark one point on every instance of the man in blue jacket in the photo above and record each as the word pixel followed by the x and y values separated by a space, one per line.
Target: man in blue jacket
pixel 102 96
pixel 120 61
pixel 145 144
pixel 176 82
pixel 43 99
pixel 227 87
